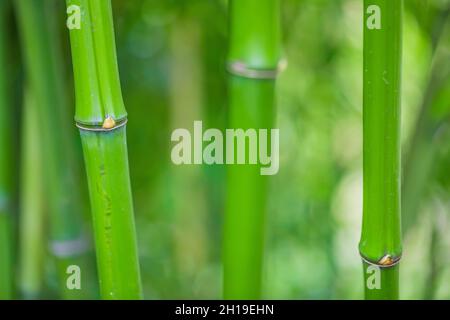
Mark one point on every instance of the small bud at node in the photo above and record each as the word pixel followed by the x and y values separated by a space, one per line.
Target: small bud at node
pixel 109 123
pixel 386 260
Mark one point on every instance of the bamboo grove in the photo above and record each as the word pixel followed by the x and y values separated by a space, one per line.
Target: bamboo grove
pixel 357 109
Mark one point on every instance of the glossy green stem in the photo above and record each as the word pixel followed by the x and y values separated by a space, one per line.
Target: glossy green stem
pixel 255 37
pixel 251 106
pixel 381 232
pixel 99 98
pixel 45 76
pixel 96 73
pixel 254 44
pixel 388 285
pixel 6 151
pixel 109 185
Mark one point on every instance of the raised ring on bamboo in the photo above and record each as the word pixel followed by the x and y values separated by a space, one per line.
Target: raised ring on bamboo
pixel 239 68
pixel 108 125
pixel 386 261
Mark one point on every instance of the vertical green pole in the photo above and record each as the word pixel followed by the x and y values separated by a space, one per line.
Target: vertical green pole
pixel 380 244
pixel 6 154
pixel 253 64
pixel 32 217
pixel 43 65
pixel 101 118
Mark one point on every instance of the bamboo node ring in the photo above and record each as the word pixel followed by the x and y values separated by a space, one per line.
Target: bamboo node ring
pixel 109 124
pixel 386 261
pixel 239 68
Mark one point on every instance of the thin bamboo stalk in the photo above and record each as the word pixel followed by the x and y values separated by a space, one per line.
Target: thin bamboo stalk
pixel 32 215
pixel 44 71
pixel 6 149
pixel 380 244
pixel 254 57
pixel 101 117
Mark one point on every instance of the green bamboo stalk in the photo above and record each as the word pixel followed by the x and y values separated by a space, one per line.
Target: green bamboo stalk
pixel 32 238
pixel 254 57
pixel 6 149
pixel 101 118
pixel 44 71
pixel 380 244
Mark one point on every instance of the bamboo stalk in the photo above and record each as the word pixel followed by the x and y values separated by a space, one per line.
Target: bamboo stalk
pixel 380 244
pixel 101 117
pixel 32 216
pixel 44 71
pixel 6 149
pixel 254 56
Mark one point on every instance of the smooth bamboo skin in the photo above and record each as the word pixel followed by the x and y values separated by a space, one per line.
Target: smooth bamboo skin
pixel 255 36
pixel 381 231
pixel 6 153
pixel 98 102
pixel 44 74
pixel 254 43
pixel 389 284
pixel 96 74
pixel 31 224
pixel 251 106
pixel 106 162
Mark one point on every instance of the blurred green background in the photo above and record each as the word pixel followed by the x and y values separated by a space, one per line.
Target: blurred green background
pixel 172 58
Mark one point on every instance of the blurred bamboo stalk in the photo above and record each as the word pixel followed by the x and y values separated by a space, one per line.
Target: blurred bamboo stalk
pixel 32 216
pixel 6 159
pixel 101 117
pixel 422 152
pixel 44 70
pixel 253 63
pixel 433 115
pixel 190 240
pixel 380 244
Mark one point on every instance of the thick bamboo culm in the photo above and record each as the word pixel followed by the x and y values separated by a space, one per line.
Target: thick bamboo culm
pixel 43 66
pixel 253 64
pixel 6 159
pixel 380 244
pixel 101 118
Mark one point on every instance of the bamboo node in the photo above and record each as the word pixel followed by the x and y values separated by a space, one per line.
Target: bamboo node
pixel 109 123
pixel 386 261
pixel 241 69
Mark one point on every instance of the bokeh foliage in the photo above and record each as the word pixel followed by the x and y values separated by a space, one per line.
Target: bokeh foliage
pixel 172 66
